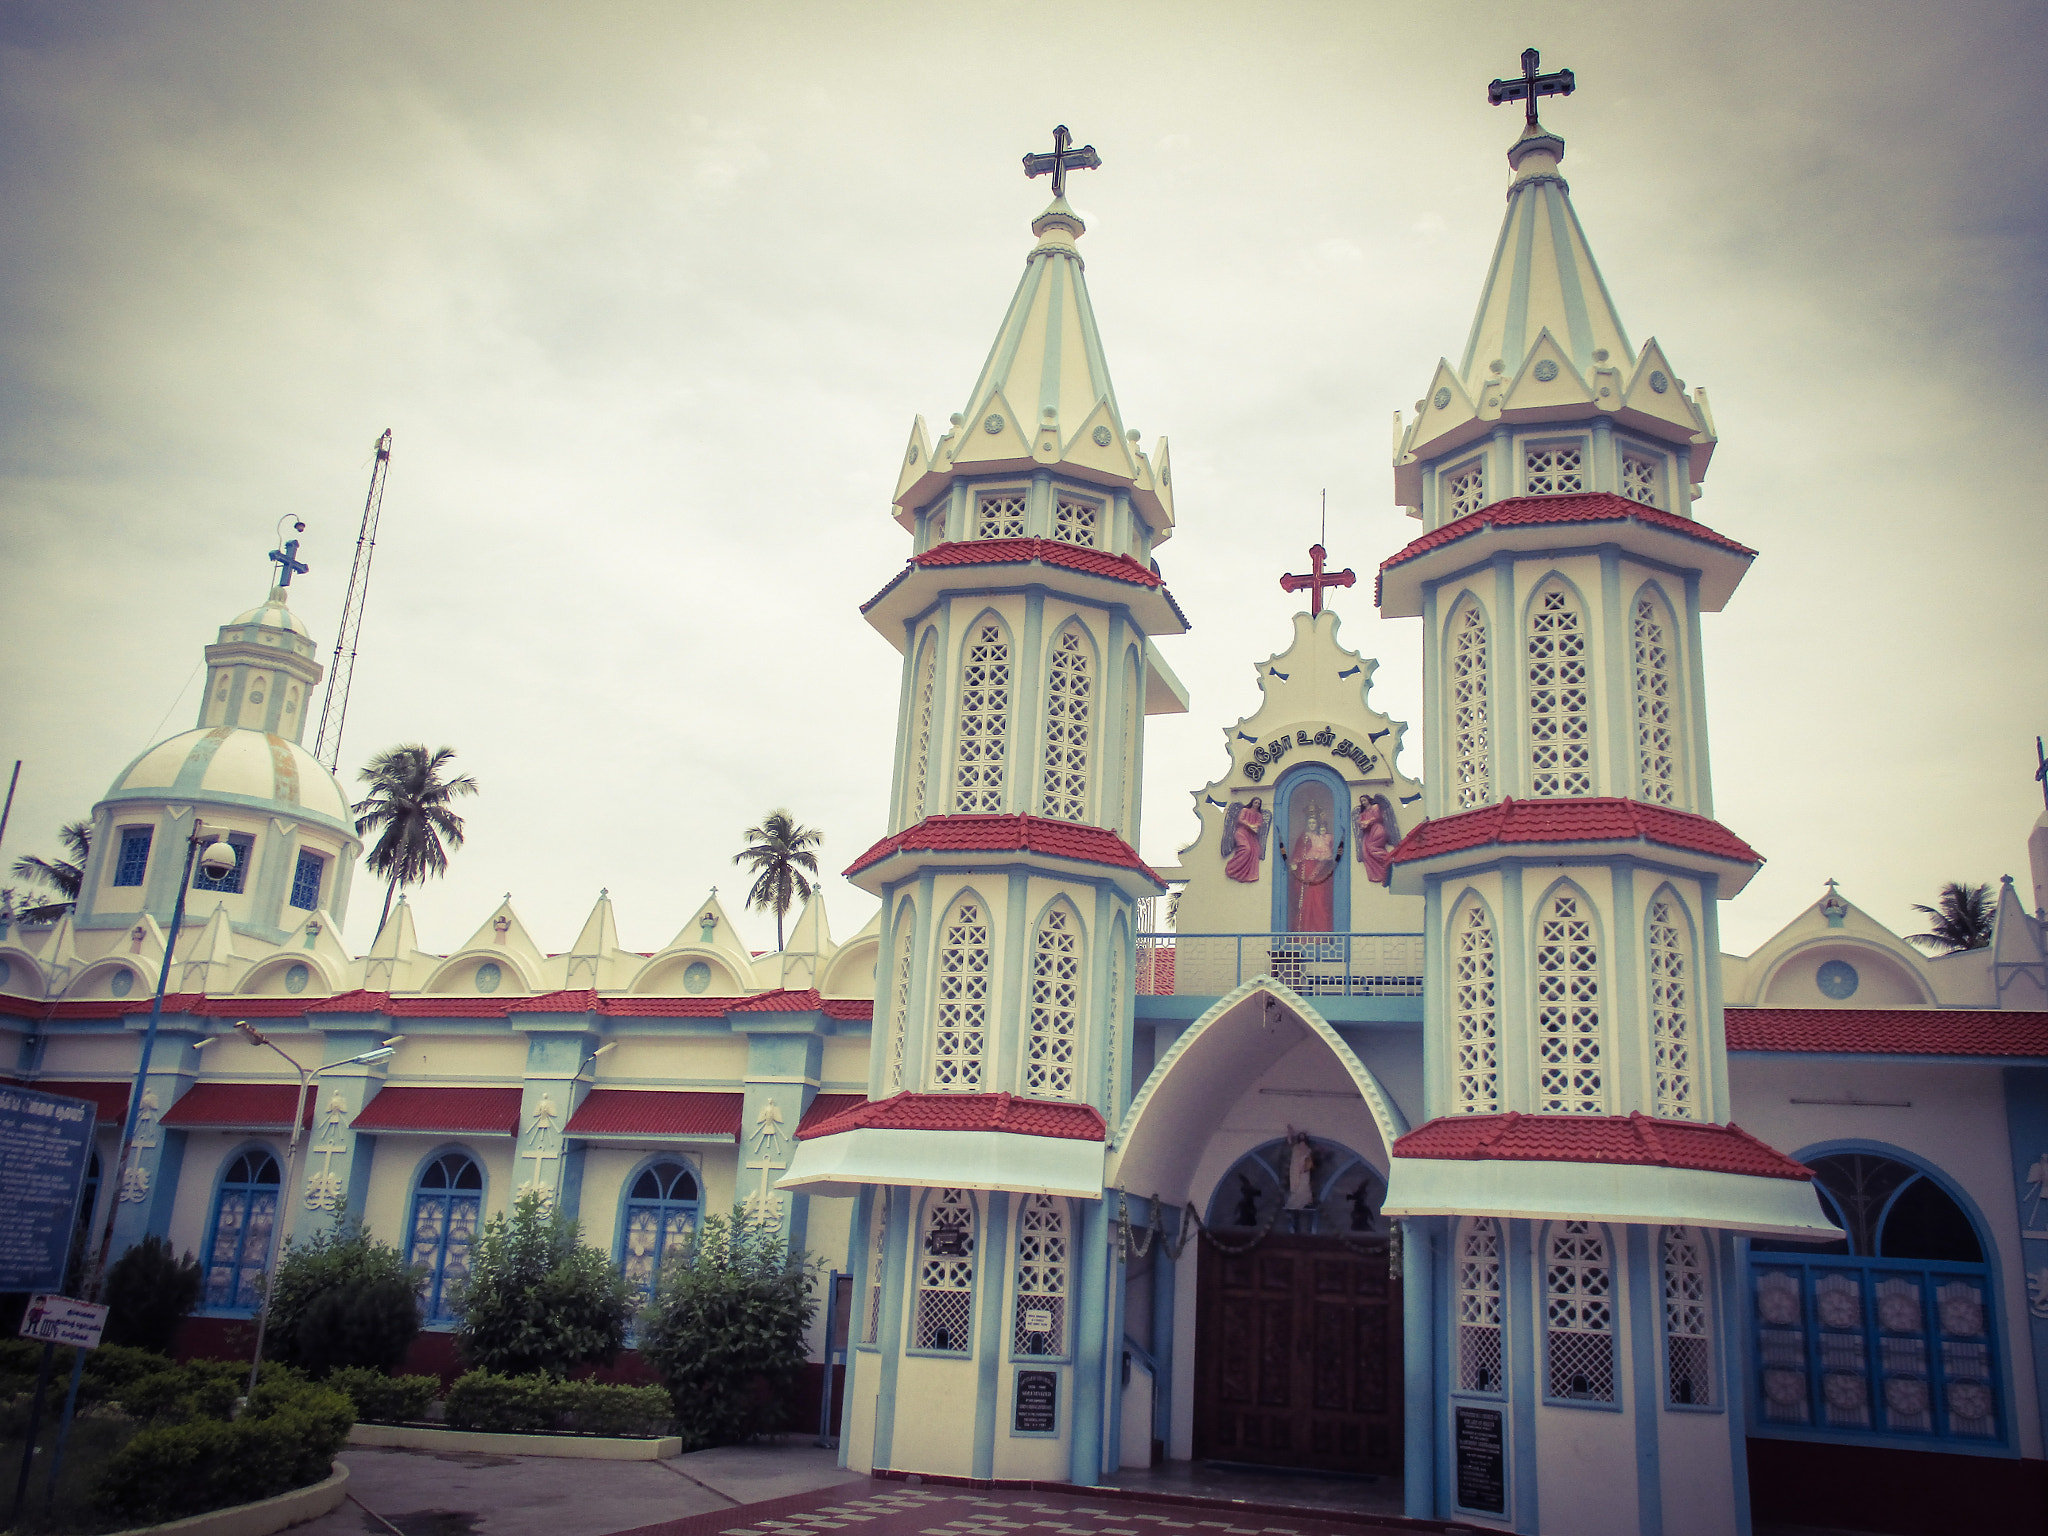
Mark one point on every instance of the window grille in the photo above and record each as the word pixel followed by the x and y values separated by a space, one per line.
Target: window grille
pixel 1073 522
pixel 1067 690
pixel 962 1018
pixel 1479 1306
pixel 945 1278
pixel 1560 701
pixel 1568 1032
pixel 244 1215
pixel 1553 469
pixel 878 1231
pixel 231 882
pixel 1000 516
pixel 1113 1069
pixel 1671 1031
pixel 1055 1007
pixel 1134 692
pixel 1470 725
pixel 1475 1015
pixel 306 880
pixel 1688 1342
pixel 1579 1314
pixel 134 858
pixel 444 1220
pixel 899 1014
pixel 661 1213
pixel 1639 479
pixel 1465 489
pixel 984 720
pixel 921 745
pixel 1040 1326
pixel 1656 744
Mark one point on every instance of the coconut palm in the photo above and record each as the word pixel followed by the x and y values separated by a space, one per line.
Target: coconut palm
pixel 778 854
pixel 407 807
pixel 67 876
pixel 1961 918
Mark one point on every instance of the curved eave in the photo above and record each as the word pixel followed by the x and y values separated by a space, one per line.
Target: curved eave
pixel 842 1163
pixel 160 796
pixel 917 588
pixel 1410 878
pixel 902 863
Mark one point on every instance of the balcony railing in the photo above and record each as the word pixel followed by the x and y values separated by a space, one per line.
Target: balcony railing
pixel 1312 964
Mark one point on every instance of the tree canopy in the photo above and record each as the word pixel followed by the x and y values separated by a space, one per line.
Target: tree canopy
pixel 65 876
pixel 408 810
pixel 1961 919
pixel 778 854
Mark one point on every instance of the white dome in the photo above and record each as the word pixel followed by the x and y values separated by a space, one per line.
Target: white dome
pixel 270 615
pixel 249 765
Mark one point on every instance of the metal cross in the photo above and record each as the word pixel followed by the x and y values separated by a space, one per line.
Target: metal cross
pixel 289 561
pixel 1317 580
pixel 2041 772
pixel 1531 85
pixel 1062 159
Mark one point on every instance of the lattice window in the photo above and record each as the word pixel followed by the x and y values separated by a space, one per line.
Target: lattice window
pixel 1671 1028
pixel 961 1023
pixel 984 720
pixel 1041 1317
pixel 921 745
pixel 1474 1013
pixel 1479 1306
pixel 1579 1314
pixel 1069 687
pixel 1471 726
pixel 1688 1311
pixel 1568 1029
pixel 1113 1070
pixel 1134 722
pixel 1000 516
pixel 1465 490
pixel 1560 698
pixel 306 876
pixel 945 1273
pixel 1553 469
pixel 134 856
pixel 1656 740
pixel 1050 1052
pixel 899 1013
pixel 878 1232
pixel 1639 479
pixel 1073 522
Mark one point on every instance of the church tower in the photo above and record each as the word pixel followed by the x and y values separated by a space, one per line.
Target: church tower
pixel 1009 884
pixel 1572 1200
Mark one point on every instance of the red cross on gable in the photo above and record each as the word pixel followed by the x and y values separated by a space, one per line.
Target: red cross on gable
pixel 1316 580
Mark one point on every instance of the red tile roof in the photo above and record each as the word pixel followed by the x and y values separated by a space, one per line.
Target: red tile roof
pixel 981 833
pixel 109 1100
pixel 1890 1031
pixel 966 1112
pixel 1634 1139
pixel 1594 819
pixel 825 1106
pixel 655 1112
pixel 582 1001
pixel 241 1106
pixel 466 1111
pixel 1094 562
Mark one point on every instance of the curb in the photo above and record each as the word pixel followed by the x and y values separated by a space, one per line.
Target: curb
pixel 263 1517
pixel 414 1437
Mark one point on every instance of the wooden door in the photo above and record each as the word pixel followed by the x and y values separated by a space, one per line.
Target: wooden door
pixel 1298 1357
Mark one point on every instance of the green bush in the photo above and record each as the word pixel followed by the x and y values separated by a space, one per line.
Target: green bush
pixel 538 1404
pixel 511 1405
pixel 342 1299
pixel 537 1299
pixel 726 1333
pixel 149 1292
pixel 204 1389
pixel 381 1399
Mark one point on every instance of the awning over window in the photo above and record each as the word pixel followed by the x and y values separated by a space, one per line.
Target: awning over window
pixel 446 1111
pixel 649 1112
pixel 239 1107
pixel 109 1100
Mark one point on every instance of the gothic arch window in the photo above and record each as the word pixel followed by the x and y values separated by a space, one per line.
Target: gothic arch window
pixel 1656 691
pixel 1052 1056
pixel 899 994
pixel 244 1216
pixel 446 1206
pixel 1069 697
pixel 878 1232
pixel 662 1205
pixel 1480 1314
pixel 1475 1011
pixel 945 1273
pixel 966 971
pixel 1578 1289
pixel 1688 1319
pixel 1560 695
pixel 923 689
pixel 1471 715
pixel 984 717
pixel 1040 1325
pixel 1570 1040
pixel 1674 1035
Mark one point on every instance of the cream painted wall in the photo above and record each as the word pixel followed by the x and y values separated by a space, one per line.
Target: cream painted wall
pixel 480 1059
pixel 857 1413
pixel 644 1061
pixel 1032 1456
pixel 1881 980
pixel 110 1055
pixel 845 1068
pixel 937 1433
pixel 1694 1460
pixel 1587 1456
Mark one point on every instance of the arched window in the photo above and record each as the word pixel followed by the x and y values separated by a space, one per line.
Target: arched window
pixel 899 1011
pixel 1479 1305
pixel 1656 738
pixel 1475 1013
pixel 966 967
pixel 1069 691
pixel 1669 942
pixel 878 1231
pixel 244 1215
pixel 1569 1037
pixel 1560 697
pixel 1579 1314
pixel 1688 1315
pixel 1041 1321
pixel 984 719
pixel 661 1213
pixel 445 1210
pixel 1050 1051
pixel 921 729
pixel 945 1273
pixel 1471 718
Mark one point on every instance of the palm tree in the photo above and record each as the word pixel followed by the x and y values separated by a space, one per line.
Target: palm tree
pixel 65 874
pixel 407 807
pixel 1962 918
pixel 778 854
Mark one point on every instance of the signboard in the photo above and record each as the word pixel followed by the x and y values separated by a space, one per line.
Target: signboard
pixel 1482 1469
pixel 45 1142
pixel 60 1320
pixel 1038 1403
pixel 1038 1319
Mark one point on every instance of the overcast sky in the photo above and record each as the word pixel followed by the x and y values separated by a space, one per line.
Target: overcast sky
pixel 650 294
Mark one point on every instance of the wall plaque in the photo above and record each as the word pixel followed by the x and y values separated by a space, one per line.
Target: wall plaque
pixel 1038 1403
pixel 1482 1470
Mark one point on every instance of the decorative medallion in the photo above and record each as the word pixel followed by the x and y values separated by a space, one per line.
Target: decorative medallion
pixel 1442 397
pixel 1785 1387
pixel 1962 1317
pixel 121 983
pixel 295 979
pixel 993 425
pixel 1905 1396
pixel 911 457
pixel 1777 1301
pixel 1899 1311
pixel 1658 382
pixel 696 976
pixel 488 975
pixel 1836 979
pixel 1846 1394
pixel 1838 1306
pixel 1969 1400
pixel 1546 371
pixel 1102 437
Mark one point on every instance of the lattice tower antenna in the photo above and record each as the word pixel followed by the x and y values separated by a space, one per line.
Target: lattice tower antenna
pixel 341 672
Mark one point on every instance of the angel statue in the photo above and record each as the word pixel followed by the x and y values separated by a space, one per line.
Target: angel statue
pixel 1244 840
pixel 1376 839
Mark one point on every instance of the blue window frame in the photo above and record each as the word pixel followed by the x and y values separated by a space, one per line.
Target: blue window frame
pixel 231 882
pixel 306 880
pixel 446 1207
pixel 1888 1332
pixel 244 1215
pixel 134 856
pixel 662 1205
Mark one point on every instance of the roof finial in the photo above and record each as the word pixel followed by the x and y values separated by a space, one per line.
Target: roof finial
pixel 1530 86
pixel 287 558
pixel 1061 160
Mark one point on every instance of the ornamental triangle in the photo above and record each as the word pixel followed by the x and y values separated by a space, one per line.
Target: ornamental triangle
pixel 991 439
pixel 1656 396
pixel 1547 379
pixel 1100 445
pixel 917 459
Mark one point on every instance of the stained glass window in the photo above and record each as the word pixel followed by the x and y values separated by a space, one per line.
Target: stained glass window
pixel 661 1213
pixel 445 1210
pixel 244 1216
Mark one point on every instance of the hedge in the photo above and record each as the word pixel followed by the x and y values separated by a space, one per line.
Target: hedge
pixel 381 1399
pixel 539 1404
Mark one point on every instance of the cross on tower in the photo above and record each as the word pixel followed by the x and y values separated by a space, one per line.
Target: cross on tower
pixel 1531 85
pixel 1062 159
pixel 288 559
pixel 2041 772
pixel 1316 580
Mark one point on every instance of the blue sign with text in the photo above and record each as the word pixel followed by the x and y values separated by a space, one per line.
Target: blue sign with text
pixel 45 1144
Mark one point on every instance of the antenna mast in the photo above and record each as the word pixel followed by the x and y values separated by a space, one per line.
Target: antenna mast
pixel 341 672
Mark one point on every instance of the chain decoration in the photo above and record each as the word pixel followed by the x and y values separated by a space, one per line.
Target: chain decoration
pixel 1137 1242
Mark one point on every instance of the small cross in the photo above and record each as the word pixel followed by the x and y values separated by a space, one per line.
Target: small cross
pixel 1316 581
pixel 1062 159
pixel 289 561
pixel 1531 85
pixel 2041 773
